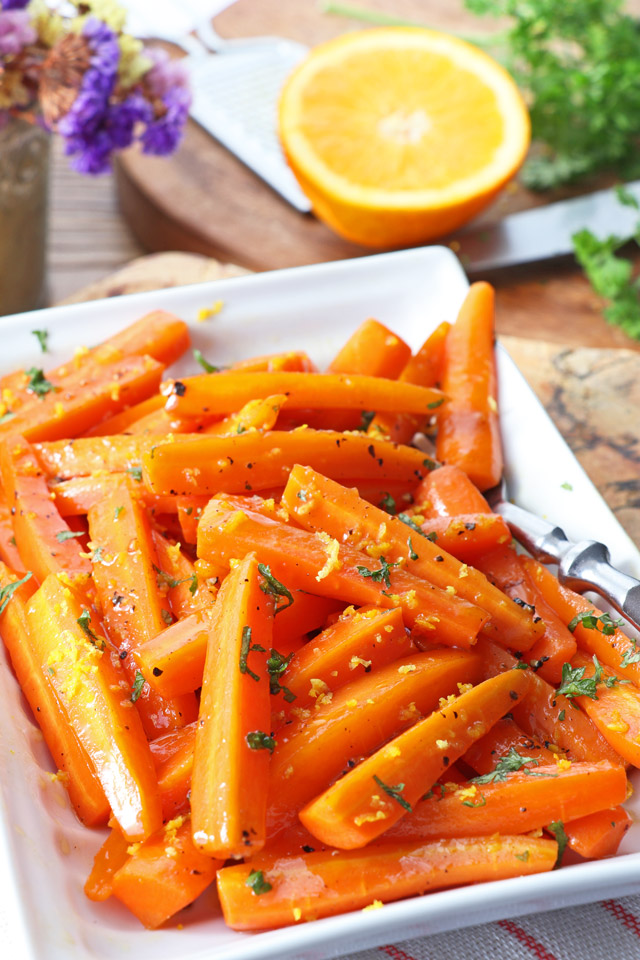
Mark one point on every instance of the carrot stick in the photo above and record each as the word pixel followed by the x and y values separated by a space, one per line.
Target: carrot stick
pixel 304 561
pixel 356 720
pixel 360 640
pixel 222 393
pixel 96 698
pixel 173 757
pixel 254 461
pixel 425 370
pixel 319 503
pixel 110 857
pixel 468 431
pixel 173 660
pixel 93 456
pixel 165 874
pixel 47 544
pixel 233 745
pixel 448 492
pixel 189 513
pixel 507 569
pixel 306 613
pixel 483 755
pixel 85 400
pixel 615 708
pixel 522 801
pixel 74 498
pixel 296 361
pixel 133 606
pixel 614 649
pixel 547 716
pixel 373 796
pixel 178 579
pixel 315 885
pixel 79 775
pixel 598 835
pixel 123 421
pixel 469 536
pixel 372 348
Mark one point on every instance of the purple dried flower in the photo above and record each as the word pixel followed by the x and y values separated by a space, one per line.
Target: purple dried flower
pixel 13 4
pixel 168 81
pixel 15 31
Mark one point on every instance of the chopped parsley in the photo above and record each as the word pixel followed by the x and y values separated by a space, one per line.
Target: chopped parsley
pixel 274 588
pixel 167 616
pixel 42 336
pixel 412 554
pixel 556 827
pixel 117 512
pixel 138 684
pixel 257 882
pixel 63 535
pixel 84 621
pixel 480 802
pixel 38 383
pixel 566 485
pixel 245 649
pixel 575 684
pixel 523 856
pixel 276 666
pixel 162 578
pixel 7 416
pixel 204 363
pixel 388 503
pixel 366 417
pixel 394 792
pixel 590 620
pixel 510 763
pixel 136 473
pixel 630 656
pixel 435 403
pixel 561 716
pixel 193 586
pixel 381 575
pixel 258 740
pixel 405 518
pixel 9 589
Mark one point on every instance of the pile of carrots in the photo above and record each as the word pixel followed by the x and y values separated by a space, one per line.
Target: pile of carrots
pixel 276 646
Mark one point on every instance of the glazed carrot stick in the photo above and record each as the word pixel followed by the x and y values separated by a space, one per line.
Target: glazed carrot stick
pixel 91 456
pixel 131 598
pixel 372 348
pixel 123 421
pixel 296 361
pixel 467 537
pixel 373 796
pixel 189 513
pixel 360 640
pixel 613 706
pixel 468 432
pixel 165 874
pixel 254 460
pixel 255 414
pixel 517 803
pixel 308 611
pixel 74 408
pixel 160 422
pixel 319 503
pixel 173 660
pixel 233 742
pixel 483 755
pixel 302 560
pixel 222 393
pixel 545 715
pixel 178 579
pixel 598 835
pixel 173 757
pixel 110 857
pixel 507 569
pixel 74 498
pixel 96 698
pixel 424 369
pixel 9 552
pixel 357 719
pixel 47 544
pixel 613 648
pixel 79 775
pixel 448 492
pixel 286 891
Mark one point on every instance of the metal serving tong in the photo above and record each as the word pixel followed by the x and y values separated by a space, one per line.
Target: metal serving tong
pixel 581 566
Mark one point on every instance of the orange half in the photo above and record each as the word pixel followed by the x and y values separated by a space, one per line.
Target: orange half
pixel 402 134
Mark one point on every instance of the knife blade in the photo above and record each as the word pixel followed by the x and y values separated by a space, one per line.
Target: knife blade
pixel 544 233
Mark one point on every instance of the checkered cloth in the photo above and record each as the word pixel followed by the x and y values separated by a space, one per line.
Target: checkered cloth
pixel 608 929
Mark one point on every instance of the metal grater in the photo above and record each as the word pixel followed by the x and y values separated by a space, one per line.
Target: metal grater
pixel 235 99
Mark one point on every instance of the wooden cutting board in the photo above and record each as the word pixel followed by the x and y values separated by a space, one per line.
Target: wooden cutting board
pixel 205 201
pixel 591 393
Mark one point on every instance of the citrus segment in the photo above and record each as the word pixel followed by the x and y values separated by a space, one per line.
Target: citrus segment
pixel 401 134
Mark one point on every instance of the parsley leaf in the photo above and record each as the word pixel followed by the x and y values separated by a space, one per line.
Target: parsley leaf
pixel 84 621
pixel 510 763
pixel 42 337
pixel 406 519
pixel 162 578
pixel 245 649
pixel 590 621
pixel 412 554
pixel 394 792
pixel 117 512
pixel 208 367
pixel 388 503
pixel 63 535
pixel 630 656
pixel 257 882
pixel 274 588
pixel 556 827
pixel 258 740
pixel 381 575
pixel 276 666
pixel 575 684
pixel 366 417
pixel 136 473
pixel 38 383
pixel 523 856
pixel 480 802
pixel 138 684
pixel 10 588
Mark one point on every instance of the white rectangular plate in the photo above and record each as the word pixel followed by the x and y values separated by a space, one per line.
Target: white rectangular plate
pixel 45 855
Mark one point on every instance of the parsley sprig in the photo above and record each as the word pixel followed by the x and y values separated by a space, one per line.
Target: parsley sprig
pixel 575 684
pixel 38 383
pixel 381 575
pixel 630 656
pixel 9 589
pixel 510 763
pixel 246 646
pixel 556 827
pixel 257 883
pixel 270 585
pixel 84 621
pixel 258 740
pixel 593 621
pixel 395 792
pixel 276 666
